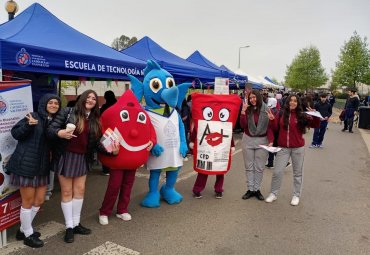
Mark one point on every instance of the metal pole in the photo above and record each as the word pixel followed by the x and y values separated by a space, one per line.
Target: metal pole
pixel 60 88
pixel 247 46
pixel 239 59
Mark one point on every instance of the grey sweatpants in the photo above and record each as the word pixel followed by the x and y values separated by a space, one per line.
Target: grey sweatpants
pixel 254 160
pixel 281 160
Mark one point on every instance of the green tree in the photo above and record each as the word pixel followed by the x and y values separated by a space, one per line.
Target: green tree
pixel 123 42
pixel 306 72
pixel 354 63
pixel 74 84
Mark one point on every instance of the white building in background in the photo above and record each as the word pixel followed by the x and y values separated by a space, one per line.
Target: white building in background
pixel 100 87
pixel 362 88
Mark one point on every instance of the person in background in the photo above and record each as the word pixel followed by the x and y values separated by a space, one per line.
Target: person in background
pixel 255 116
pixel 279 99
pixel 110 99
pixel 72 103
pixel 74 156
pixel 350 108
pixel 331 99
pixel 29 165
pixel 186 116
pixel 290 127
pixel 325 109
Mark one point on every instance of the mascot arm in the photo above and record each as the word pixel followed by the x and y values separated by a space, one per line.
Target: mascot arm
pixel 156 150
pixel 183 146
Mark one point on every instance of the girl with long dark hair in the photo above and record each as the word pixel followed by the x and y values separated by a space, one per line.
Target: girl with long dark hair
pixel 75 156
pixel 290 127
pixel 254 120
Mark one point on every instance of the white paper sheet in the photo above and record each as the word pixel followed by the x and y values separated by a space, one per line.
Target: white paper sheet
pixel 270 149
pixel 315 114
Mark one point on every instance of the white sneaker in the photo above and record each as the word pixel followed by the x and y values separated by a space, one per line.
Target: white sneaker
pixel 103 220
pixel 124 216
pixel 295 201
pixel 271 198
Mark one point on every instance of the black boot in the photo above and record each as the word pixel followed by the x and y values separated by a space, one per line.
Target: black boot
pixel 20 235
pixel 248 195
pixel 81 230
pixel 33 241
pixel 69 236
pixel 258 195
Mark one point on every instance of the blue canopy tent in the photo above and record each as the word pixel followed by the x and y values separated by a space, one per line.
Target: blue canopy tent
pixel 199 59
pixel 37 41
pixel 236 81
pixel 280 86
pixel 181 69
pixel 242 78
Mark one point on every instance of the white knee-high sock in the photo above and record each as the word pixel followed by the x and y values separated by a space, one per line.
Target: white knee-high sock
pixel 77 207
pixel 26 221
pixel 34 211
pixel 67 212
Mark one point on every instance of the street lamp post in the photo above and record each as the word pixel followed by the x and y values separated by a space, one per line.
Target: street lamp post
pixel 247 46
pixel 11 7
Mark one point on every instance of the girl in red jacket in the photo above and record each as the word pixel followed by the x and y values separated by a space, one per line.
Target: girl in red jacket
pixel 291 126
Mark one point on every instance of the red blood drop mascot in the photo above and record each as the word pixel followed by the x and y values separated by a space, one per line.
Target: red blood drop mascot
pixel 131 127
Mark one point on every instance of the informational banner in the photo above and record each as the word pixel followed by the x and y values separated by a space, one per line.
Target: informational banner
pixel 213 145
pixel 15 103
pixel 221 86
pixel 34 59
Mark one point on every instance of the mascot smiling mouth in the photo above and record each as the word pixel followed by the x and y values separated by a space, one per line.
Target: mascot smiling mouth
pixel 214 139
pixel 128 147
pixel 159 103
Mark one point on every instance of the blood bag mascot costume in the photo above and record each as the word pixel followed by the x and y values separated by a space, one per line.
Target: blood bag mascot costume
pixel 136 135
pixel 214 117
pixel 162 96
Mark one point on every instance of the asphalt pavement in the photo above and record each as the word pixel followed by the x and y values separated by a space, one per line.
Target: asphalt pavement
pixel 332 217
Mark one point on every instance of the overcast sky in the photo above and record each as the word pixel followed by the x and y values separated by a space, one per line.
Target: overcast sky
pixel 275 29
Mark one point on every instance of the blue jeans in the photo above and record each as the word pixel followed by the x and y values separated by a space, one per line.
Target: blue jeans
pixel 318 135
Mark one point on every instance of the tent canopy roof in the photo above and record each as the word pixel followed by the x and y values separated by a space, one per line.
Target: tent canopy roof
pixel 146 48
pixel 41 33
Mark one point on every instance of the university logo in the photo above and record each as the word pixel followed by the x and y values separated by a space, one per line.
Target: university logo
pixel 3 106
pixel 23 58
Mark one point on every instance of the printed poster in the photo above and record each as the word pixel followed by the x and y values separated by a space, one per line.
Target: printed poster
pixel 15 103
pixel 214 142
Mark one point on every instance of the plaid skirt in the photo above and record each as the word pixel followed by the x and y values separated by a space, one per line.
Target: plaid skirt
pixel 24 181
pixel 71 165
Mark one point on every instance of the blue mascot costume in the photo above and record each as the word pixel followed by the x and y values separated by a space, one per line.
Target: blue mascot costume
pixel 162 96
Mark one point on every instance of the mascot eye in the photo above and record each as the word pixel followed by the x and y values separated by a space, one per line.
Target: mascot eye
pixel 141 117
pixel 125 116
pixel 224 114
pixel 207 113
pixel 170 82
pixel 155 85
